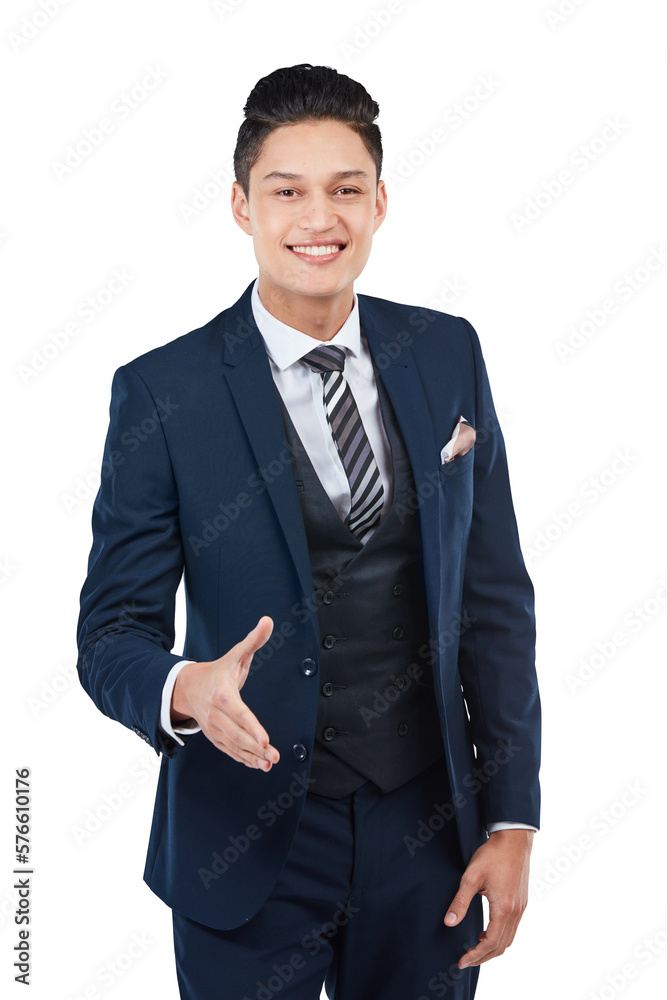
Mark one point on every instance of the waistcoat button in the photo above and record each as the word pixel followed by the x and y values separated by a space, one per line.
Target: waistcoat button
pixel 327 597
pixel 327 689
pixel 329 734
pixel 329 641
pixel 398 632
pixel 398 589
pixel 403 729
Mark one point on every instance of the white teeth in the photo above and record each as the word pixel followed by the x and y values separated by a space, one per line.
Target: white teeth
pixel 317 251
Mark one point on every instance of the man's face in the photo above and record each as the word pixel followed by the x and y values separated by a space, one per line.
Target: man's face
pixel 312 186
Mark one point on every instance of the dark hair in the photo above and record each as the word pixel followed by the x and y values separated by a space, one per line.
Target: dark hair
pixel 304 93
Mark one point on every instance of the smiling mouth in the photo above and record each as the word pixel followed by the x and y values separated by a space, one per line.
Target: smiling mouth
pixel 327 250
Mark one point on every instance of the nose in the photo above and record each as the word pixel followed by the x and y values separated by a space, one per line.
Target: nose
pixel 318 213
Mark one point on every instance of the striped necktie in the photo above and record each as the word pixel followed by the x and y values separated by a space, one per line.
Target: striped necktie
pixel 354 448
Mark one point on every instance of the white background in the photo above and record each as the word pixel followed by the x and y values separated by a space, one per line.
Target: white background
pixel 584 428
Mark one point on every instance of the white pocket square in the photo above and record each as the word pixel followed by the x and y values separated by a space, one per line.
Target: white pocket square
pixel 460 442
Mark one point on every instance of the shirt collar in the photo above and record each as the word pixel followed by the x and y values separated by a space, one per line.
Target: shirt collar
pixel 285 345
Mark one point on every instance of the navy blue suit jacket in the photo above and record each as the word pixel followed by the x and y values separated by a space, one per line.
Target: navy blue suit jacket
pixel 197 481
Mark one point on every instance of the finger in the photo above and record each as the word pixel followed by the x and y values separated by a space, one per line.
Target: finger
pixel 240 745
pixel 493 942
pixel 459 905
pixel 242 756
pixel 231 720
pixel 228 705
pixel 237 740
pixel 252 753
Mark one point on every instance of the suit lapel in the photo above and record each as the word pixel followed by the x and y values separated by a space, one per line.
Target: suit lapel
pixel 248 373
pixel 395 365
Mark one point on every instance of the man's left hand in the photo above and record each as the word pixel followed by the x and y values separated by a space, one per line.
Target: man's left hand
pixel 498 870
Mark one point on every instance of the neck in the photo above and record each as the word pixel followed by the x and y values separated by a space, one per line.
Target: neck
pixel 319 316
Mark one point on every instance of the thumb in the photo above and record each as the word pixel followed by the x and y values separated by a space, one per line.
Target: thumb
pixel 257 636
pixel 459 905
pixel 242 652
pixel 262 631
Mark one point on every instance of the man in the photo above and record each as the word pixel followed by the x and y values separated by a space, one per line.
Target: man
pixel 350 742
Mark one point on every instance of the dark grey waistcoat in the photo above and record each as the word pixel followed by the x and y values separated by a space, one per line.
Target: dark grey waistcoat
pixel 377 716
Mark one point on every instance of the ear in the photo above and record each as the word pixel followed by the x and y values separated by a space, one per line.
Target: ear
pixel 380 206
pixel 240 208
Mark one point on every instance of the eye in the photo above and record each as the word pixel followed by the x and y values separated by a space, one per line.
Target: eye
pixel 287 191
pixel 352 190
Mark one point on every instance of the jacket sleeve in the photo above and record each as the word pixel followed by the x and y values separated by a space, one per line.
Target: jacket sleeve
pixel 497 651
pixel 125 629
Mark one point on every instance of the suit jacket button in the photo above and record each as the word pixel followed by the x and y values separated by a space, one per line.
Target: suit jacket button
pixel 329 641
pixel 329 734
pixel 327 689
pixel 308 666
pixel 299 751
pixel 403 729
pixel 398 632
pixel 328 596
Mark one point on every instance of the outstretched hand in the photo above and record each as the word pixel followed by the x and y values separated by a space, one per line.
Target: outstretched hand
pixel 209 693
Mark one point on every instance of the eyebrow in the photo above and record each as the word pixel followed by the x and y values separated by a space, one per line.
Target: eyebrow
pixel 340 175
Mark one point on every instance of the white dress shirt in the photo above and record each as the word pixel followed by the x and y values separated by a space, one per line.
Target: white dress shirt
pixel 301 391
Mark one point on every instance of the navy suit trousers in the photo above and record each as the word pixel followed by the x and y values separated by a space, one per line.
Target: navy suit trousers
pixel 358 907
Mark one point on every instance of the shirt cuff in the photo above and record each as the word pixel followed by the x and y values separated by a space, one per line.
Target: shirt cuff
pixel 165 711
pixel 492 827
